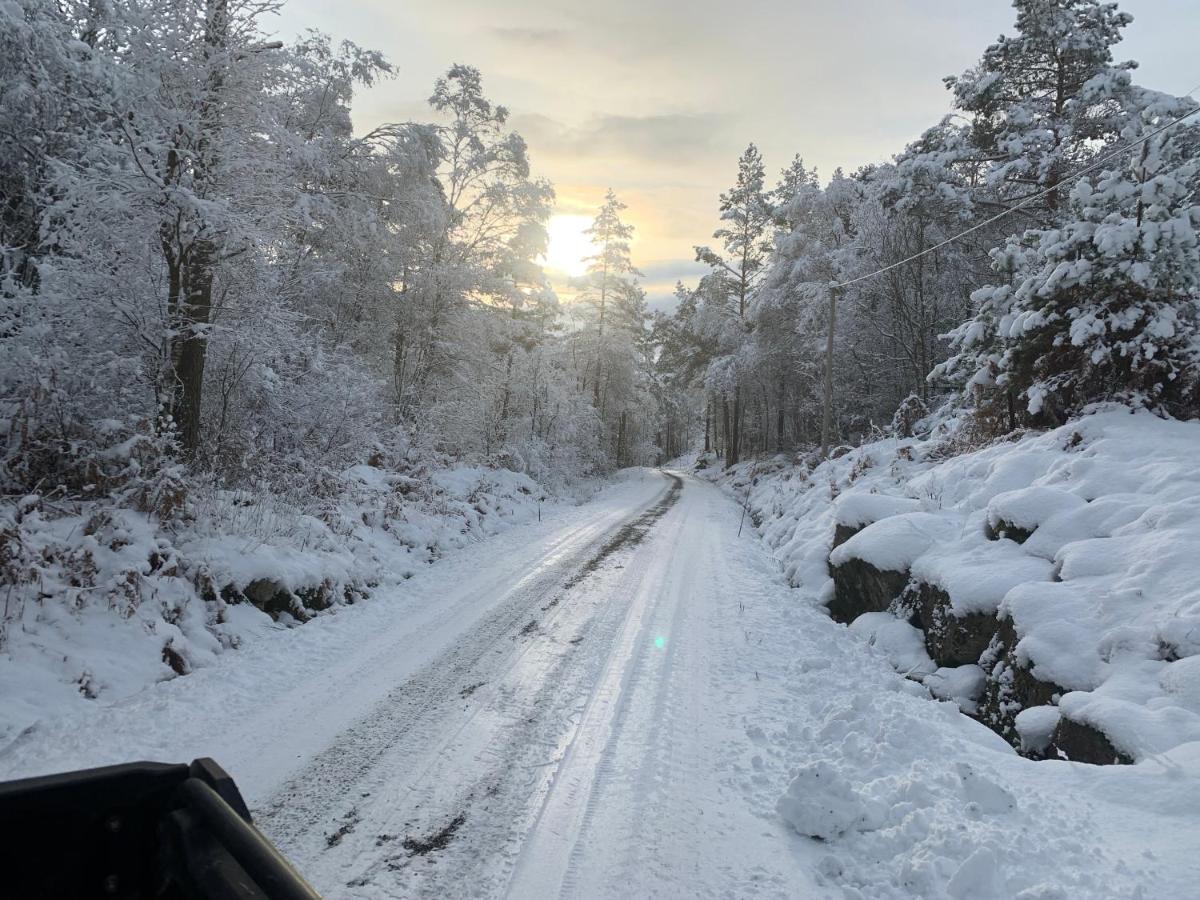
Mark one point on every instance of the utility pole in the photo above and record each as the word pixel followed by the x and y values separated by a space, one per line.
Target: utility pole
pixel 827 415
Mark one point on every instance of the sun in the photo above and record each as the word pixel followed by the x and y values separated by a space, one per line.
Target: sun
pixel 569 246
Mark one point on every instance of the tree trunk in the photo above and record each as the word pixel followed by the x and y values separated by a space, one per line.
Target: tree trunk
pixel 827 413
pixel 622 450
pixel 735 430
pixel 194 345
pixel 201 258
pixel 779 417
pixel 725 426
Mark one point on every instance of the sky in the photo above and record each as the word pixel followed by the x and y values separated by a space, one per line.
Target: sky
pixel 657 98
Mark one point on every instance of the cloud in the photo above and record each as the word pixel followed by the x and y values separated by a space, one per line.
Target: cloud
pixel 676 138
pixel 531 37
pixel 669 271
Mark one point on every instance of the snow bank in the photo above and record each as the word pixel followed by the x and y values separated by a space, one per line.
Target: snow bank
pixel 902 797
pixel 900 643
pixel 105 600
pixel 1099 576
pixel 820 803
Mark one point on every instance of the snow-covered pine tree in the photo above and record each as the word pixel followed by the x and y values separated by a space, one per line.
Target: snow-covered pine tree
pixel 1042 102
pixel 1110 313
pixel 749 217
pixel 1105 306
pixel 614 333
pixel 608 269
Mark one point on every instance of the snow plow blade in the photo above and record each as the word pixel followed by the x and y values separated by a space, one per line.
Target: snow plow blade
pixel 141 830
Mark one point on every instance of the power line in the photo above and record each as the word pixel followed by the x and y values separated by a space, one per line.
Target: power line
pixel 1012 209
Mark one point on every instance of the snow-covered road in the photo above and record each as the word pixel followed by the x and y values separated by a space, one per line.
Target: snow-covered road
pixel 570 742
pixel 611 703
pixel 543 708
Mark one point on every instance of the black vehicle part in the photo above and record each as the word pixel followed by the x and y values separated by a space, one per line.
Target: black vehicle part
pixel 141 831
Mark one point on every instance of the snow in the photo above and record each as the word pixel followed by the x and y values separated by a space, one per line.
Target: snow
pixel 820 803
pixel 961 684
pixel 894 543
pixel 1104 595
pixel 1028 507
pixel 760 750
pixel 900 643
pixel 857 510
pixel 977 573
pixel 961 815
pixel 114 589
pixel 1036 726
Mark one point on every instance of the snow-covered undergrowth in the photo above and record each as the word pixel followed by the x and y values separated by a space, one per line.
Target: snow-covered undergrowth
pixel 105 597
pixel 1050 583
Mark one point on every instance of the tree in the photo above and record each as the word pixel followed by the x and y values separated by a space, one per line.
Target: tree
pixel 746 238
pixel 1041 102
pixel 482 250
pixel 613 337
pixel 610 276
pixel 1104 307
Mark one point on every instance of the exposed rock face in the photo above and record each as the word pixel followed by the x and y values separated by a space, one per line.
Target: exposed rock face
pixel 1010 686
pixel 962 640
pixel 952 640
pixel 175 660
pixel 843 533
pixel 1002 529
pixel 316 598
pixel 859 587
pixel 274 599
pixel 1079 742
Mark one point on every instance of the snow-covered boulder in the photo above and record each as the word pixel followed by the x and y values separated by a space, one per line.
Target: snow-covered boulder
pixel 1017 514
pixel 1036 726
pixel 959 684
pixel 854 512
pixel 872 568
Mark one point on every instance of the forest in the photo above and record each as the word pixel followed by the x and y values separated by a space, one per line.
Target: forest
pixel 204 265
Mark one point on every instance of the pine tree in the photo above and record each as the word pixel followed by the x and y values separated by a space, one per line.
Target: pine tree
pixel 1041 102
pixel 609 276
pixel 746 237
pixel 616 337
pixel 1103 307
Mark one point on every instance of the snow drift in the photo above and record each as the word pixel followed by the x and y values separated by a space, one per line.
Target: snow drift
pixel 106 597
pixel 1054 577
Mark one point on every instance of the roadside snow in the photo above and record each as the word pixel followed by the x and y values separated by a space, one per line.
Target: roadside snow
pixel 1104 595
pixel 1104 592
pixel 900 643
pixel 893 795
pixel 104 602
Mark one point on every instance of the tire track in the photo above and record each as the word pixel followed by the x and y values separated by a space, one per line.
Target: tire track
pixel 404 731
